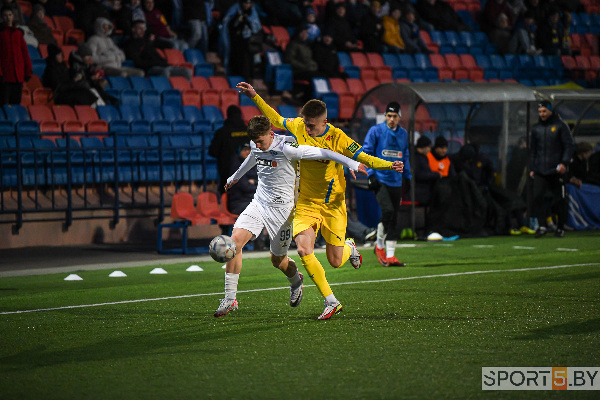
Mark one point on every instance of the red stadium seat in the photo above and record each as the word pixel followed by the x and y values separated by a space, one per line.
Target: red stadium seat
pixel 200 83
pixel 179 83
pixel 249 112
pixel 356 87
pixel 475 71
pixel 438 61
pixel 191 97
pixel 282 36
pixel 42 96
pixel 338 85
pixel 428 42
pixel 64 113
pixel 26 97
pixel 34 83
pixel 97 126
pixel 73 126
pixel 218 82
pixel 229 97
pixel 85 114
pixel 41 113
pixel 182 207
pixel 224 208
pixel 347 102
pixel 176 58
pixel 370 83
pixel 453 62
pixel 210 97
pixel 43 49
pixel 207 205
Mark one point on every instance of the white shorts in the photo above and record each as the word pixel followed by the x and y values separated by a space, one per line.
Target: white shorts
pixel 277 220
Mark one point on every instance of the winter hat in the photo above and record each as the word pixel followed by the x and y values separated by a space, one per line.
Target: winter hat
pixel 393 107
pixel 423 142
pixel 441 142
pixel 84 50
pixel 546 104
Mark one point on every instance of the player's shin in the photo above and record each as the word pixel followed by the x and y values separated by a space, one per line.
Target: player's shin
pixel 316 273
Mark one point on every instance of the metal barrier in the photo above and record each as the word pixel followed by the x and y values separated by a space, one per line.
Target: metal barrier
pixel 87 172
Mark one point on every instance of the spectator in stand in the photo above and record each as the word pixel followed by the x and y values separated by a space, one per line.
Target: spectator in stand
pixel 166 38
pixel 65 88
pixel 551 148
pixel 476 165
pixel 16 9
pixel 326 52
pixel 242 193
pixel 391 31
pixel 551 35
pixel 500 34
pixel 441 15
pixel 55 7
pixel 566 43
pixel 105 53
pixel 517 7
pixel 28 34
pixel 343 37
pixel 411 37
pixel 580 167
pixel 196 14
pixel 15 64
pixel 314 32
pixel 85 75
pixel 534 7
pixel 132 11
pixel 356 11
pixel 438 158
pixel 87 13
pixel 39 27
pixel 424 177
pixel 140 49
pixel 490 13
pixel 523 40
pixel 371 29
pixel 227 141
pixel 241 36
pixel 299 55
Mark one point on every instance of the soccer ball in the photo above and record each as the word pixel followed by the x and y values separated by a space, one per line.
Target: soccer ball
pixel 222 248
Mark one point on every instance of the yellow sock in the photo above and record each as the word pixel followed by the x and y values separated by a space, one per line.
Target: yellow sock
pixel 316 273
pixel 345 255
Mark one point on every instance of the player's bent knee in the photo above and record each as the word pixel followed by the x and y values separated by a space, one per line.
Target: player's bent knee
pixel 277 260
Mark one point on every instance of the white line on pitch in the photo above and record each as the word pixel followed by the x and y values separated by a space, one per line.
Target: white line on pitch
pixel 287 287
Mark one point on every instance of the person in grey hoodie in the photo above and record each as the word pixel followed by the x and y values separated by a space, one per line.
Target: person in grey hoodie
pixel 105 53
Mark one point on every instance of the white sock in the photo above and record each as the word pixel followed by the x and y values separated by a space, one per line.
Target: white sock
pixel 390 248
pixel 331 299
pixel 380 236
pixel 231 284
pixel 295 280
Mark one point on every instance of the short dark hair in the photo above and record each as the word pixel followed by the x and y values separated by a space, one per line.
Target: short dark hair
pixel 138 21
pixel 258 126
pixel 583 147
pixel 313 109
pixel 6 8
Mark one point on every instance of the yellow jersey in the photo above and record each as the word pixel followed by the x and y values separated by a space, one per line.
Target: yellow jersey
pixel 322 181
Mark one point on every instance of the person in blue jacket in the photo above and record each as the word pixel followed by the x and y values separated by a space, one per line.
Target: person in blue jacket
pixel 389 141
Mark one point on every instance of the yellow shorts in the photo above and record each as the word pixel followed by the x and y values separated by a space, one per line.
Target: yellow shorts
pixel 330 218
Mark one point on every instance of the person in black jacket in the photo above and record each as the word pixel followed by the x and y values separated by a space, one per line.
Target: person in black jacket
pixel 551 148
pixel 425 178
pixel 242 193
pixel 226 142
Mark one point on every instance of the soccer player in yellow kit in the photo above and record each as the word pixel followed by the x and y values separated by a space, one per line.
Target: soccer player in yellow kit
pixel 321 200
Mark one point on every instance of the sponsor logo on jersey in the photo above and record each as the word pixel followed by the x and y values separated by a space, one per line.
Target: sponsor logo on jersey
pixel 277 200
pixel 441 166
pixel 353 147
pixel 273 152
pixel 266 163
pixel 392 153
pixel 328 138
pixel 293 144
pixel 553 129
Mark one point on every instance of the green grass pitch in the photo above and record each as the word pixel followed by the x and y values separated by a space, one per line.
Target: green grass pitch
pixel 419 332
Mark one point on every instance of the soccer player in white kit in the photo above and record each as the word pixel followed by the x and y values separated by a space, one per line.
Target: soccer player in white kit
pixel 272 207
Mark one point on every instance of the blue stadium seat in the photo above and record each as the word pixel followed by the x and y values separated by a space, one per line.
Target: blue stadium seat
pixel 346 63
pixel 28 127
pixel 467 18
pixel 118 82
pixel 16 113
pixel 468 40
pixel 162 126
pixel 181 126
pixel 194 56
pixel 526 82
pixel 140 83
pixel 287 111
pixel 513 64
pixel 39 66
pixel 423 62
pixel 6 127
pixel 205 70
pixel 171 113
pixel 202 125
pixel 34 53
pixel 212 114
pixel 192 114
pixel 320 87
pixel 453 39
pixel 160 83
pixel 391 60
pixel 119 125
pixel 130 97
pixel 151 112
pixel 171 97
pixel 499 64
pixel 108 113
pixel 483 60
pixel 150 97
pixel 234 80
pixel 141 127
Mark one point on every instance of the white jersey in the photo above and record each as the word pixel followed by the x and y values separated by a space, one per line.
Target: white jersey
pixel 277 168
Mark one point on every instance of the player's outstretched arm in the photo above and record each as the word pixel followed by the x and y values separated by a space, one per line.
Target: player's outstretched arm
pixel 267 110
pixel 248 163
pixel 303 152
